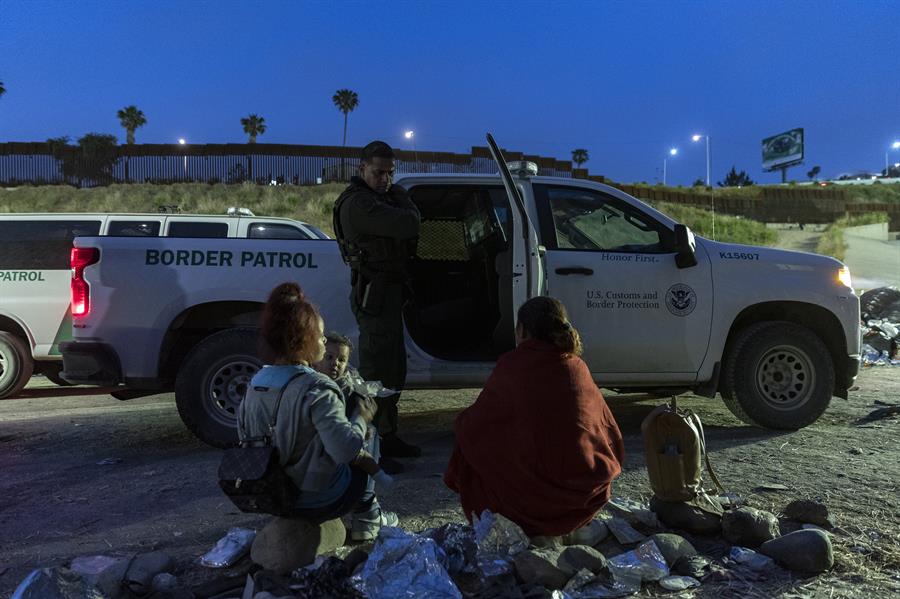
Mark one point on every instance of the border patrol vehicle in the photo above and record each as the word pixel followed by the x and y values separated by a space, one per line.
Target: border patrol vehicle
pixel 661 311
pixel 35 274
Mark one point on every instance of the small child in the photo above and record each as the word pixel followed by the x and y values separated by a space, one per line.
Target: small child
pixel 335 365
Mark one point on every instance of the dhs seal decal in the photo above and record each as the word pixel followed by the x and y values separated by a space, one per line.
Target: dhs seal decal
pixel 681 299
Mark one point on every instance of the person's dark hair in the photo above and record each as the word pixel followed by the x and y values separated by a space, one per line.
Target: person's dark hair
pixel 338 339
pixel 545 318
pixel 290 326
pixel 376 149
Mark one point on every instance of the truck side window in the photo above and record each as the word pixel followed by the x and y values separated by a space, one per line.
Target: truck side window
pixel 186 228
pixel 41 244
pixel 133 228
pixel 582 219
pixel 275 231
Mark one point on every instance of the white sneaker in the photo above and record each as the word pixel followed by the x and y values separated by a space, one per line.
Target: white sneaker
pixel 366 529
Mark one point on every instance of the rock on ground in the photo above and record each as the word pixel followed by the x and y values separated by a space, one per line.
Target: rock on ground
pixel 673 547
pixel 803 550
pixel 749 527
pixel 810 512
pixel 286 544
pixel 581 557
pixel 538 566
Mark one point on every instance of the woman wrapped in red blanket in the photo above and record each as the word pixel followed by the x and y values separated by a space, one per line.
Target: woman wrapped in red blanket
pixel 539 445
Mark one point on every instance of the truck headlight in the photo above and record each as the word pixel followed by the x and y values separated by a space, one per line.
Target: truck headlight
pixel 843 277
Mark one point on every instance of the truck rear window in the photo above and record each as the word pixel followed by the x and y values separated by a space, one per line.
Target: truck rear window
pixel 41 244
pixel 133 228
pixel 275 231
pixel 197 229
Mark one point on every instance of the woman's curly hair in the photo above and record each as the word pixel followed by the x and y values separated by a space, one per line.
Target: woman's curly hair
pixel 290 326
pixel 545 318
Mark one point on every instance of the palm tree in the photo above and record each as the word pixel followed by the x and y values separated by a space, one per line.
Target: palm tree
pixel 345 100
pixel 253 125
pixel 580 156
pixel 131 118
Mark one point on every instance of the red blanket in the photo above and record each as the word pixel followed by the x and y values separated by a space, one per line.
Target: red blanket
pixel 539 445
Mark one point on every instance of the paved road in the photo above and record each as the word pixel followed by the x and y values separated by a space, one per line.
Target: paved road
pixel 873 263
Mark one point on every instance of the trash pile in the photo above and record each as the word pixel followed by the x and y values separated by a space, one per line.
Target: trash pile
pixel 880 328
pixel 630 544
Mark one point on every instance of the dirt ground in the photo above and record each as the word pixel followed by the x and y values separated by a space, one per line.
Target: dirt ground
pixel 59 500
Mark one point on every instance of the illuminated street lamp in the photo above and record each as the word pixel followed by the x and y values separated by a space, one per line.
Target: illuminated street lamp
pixel 695 138
pixel 182 141
pixel 672 152
pixel 411 135
pixel 894 146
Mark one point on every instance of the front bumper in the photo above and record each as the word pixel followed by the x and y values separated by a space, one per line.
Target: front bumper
pixel 89 363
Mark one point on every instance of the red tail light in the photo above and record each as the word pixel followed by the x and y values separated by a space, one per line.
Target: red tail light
pixel 81 291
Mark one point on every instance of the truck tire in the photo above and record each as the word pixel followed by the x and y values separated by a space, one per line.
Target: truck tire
pixel 16 365
pixel 778 375
pixel 211 383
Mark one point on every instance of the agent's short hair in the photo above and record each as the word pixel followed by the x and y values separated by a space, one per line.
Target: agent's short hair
pixel 338 339
pixel 376 149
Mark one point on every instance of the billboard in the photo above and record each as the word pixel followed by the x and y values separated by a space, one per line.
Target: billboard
pixel 782 150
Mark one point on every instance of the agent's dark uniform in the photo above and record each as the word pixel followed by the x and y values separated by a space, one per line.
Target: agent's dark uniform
pixel 377 234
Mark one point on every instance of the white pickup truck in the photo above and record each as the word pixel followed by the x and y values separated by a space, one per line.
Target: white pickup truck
pixel 660 311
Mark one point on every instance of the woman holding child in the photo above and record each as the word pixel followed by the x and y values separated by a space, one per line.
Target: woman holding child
pixel 539 445
pixel 323 449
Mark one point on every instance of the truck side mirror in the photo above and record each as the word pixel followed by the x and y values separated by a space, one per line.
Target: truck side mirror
pixel 685 246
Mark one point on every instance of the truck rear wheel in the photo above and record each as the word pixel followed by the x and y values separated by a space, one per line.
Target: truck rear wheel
pixel 211 384
pixel 778 375
pixel 16 365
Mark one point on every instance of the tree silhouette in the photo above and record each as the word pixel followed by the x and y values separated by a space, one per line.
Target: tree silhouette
pixel 346 101
pixel 253 125
pixel 698 183
pixel 2 88
pixel 131 119
pixel 580 156
pixel 92 160
pixel 736 179
pixel 814 173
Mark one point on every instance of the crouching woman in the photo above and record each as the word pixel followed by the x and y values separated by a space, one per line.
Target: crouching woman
pixel 321 449
pixel 539 445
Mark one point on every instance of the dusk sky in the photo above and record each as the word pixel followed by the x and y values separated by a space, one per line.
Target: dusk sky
pixel 626 80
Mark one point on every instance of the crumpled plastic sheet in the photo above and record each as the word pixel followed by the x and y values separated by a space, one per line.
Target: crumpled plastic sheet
pixel 678 583
pixel 404 564
pixel 458 543
pixel 751 559
pixel 229 549
pixel 629 570
pixel 499 539
pixel 56 583
pixel 872 357
pixel 633 511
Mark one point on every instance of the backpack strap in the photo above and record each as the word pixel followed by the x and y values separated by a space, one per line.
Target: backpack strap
pixel 695 421
pixel 267 439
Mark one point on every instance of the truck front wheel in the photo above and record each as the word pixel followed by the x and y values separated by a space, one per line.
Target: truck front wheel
pixel 778 375
pixel 211 384
pixel 15 365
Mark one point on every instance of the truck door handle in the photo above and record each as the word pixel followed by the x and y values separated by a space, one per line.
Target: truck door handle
pixel 574 270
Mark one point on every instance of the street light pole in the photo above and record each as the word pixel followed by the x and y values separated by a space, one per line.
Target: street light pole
pixel 411 135
pixel 712 196
pixel 672 152
pixel 887 168
pixel 182 142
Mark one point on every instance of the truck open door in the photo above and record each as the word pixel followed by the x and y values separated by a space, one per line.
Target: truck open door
pixel 527 272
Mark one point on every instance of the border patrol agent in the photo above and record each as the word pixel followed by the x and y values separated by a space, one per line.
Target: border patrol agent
pixel 377 226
